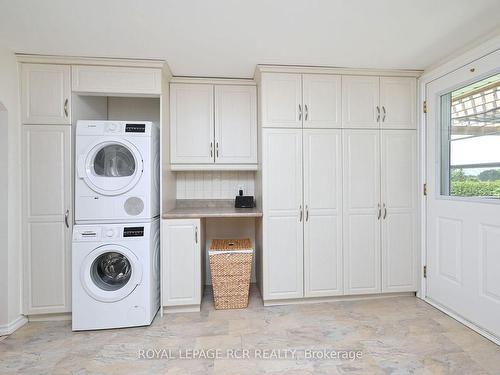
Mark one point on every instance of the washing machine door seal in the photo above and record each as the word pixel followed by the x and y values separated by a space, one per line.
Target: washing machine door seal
pixel 110 273
pixel 111 167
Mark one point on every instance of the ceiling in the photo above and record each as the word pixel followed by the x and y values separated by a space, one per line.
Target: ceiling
pixel 227 38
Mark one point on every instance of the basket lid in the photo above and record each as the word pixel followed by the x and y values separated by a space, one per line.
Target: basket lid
pixel 229 244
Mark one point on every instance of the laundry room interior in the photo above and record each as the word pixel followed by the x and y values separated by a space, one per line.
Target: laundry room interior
pixel 225 187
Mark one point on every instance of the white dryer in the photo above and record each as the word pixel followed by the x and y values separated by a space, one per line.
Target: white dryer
pixel 116 275
pixel 117 173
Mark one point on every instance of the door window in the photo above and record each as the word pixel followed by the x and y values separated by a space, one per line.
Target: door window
pixel 470 140
pixel 111 271
pixel 114 161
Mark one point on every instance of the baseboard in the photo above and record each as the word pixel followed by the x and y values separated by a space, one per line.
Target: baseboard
pixel 181 309
pixel 360 297
pixel 49 317
pixel 9 328
pixel 483 332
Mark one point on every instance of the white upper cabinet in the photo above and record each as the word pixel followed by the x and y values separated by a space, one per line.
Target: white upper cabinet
pixel 45 94
pixel 399 201
pixel 398 103
pixel 213 127
pixel 360 102
pixel 235 124
pixel 192 123
pixel 322 100
pixel 323 213
pixel 281 100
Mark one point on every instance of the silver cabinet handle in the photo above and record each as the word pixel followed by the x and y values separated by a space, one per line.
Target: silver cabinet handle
pixel 307 212
pixel 300 213
pixel 378 113
pixel 379 212
pixel 217 149
pixel 383 110
pixel 66 216
pixel 385 211
pixel 196 234
pixel 300 112
pixel 66 102
pixel 307 111
pixel 211 149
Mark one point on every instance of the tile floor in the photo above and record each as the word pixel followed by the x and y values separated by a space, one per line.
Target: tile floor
pixel 402 335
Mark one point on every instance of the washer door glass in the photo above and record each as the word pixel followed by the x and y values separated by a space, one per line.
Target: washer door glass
pixel 112 167
pixel 111 271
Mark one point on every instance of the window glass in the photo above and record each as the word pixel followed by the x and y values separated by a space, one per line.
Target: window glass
pixel 114 161
pixel 470 140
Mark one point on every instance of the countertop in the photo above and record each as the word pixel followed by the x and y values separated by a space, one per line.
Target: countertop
pixel 200 208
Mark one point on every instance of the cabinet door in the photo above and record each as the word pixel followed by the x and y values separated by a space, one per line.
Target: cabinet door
pixel 235 124
pixel 181 262
pixel 281 100
pixel 399 195
pixel 323 213
pixel 283 214
pixel 360 102
pixel 398 103
pixel 45 94
pixel 322 98
pixel 361 211
pixel 191 124
pixel 46 170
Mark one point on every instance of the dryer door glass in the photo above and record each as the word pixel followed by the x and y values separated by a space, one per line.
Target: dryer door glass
pixel 114 161
pixel 111 271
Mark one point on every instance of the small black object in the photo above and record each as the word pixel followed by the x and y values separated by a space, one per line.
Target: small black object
pixel 244 201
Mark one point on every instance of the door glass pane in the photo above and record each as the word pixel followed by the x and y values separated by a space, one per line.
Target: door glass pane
pixel 111 271
pixel 114 161
pixel 470 140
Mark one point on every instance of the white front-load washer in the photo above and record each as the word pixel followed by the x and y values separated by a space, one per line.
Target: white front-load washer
pixel 117 172
pixel 115 274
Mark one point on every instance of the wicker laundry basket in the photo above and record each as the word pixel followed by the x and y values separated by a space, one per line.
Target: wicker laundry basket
pixel 231 267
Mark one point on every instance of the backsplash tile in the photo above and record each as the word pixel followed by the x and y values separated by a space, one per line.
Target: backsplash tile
pixel 214 184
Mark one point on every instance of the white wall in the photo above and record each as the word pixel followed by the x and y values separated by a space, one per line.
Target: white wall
pixel 10 247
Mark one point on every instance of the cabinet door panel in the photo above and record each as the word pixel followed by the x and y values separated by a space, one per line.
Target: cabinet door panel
pixel 281 100
pixel 235 124
pixel 361 192
pixel 323 218
pixel 47 200
pixel 322 98
pixel 399 194
pixel 283 221
pixel 181 262
pixel 398 103
pixel 45 94
pixel 360 99
pixel 191 124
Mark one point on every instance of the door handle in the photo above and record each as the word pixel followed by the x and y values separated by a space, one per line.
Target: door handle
pixel 385 211
pixel 379 212
pixel 66 216
pixel 378 113
pixel 307 212
pixel 196 234
pixel 307 111
pixel 300 213
pixel 211 149
pixel 217 149
pixel 66 102
pixel 300 112
pixel 383 110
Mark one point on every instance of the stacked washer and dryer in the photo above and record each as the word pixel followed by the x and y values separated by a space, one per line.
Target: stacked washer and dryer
pixel 116 237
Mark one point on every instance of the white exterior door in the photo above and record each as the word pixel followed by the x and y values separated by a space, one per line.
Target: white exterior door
pixel 45 94
pixel 181 262
pixel 283 214
pixel 463 233
pixel 235 124
pixel 399 201
pixel 398 103
pixel 360 102
pixel 323 213
pixel 362 210
pixel 192 124
pixel 47 218
pixel 281 100
pixel 322 100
